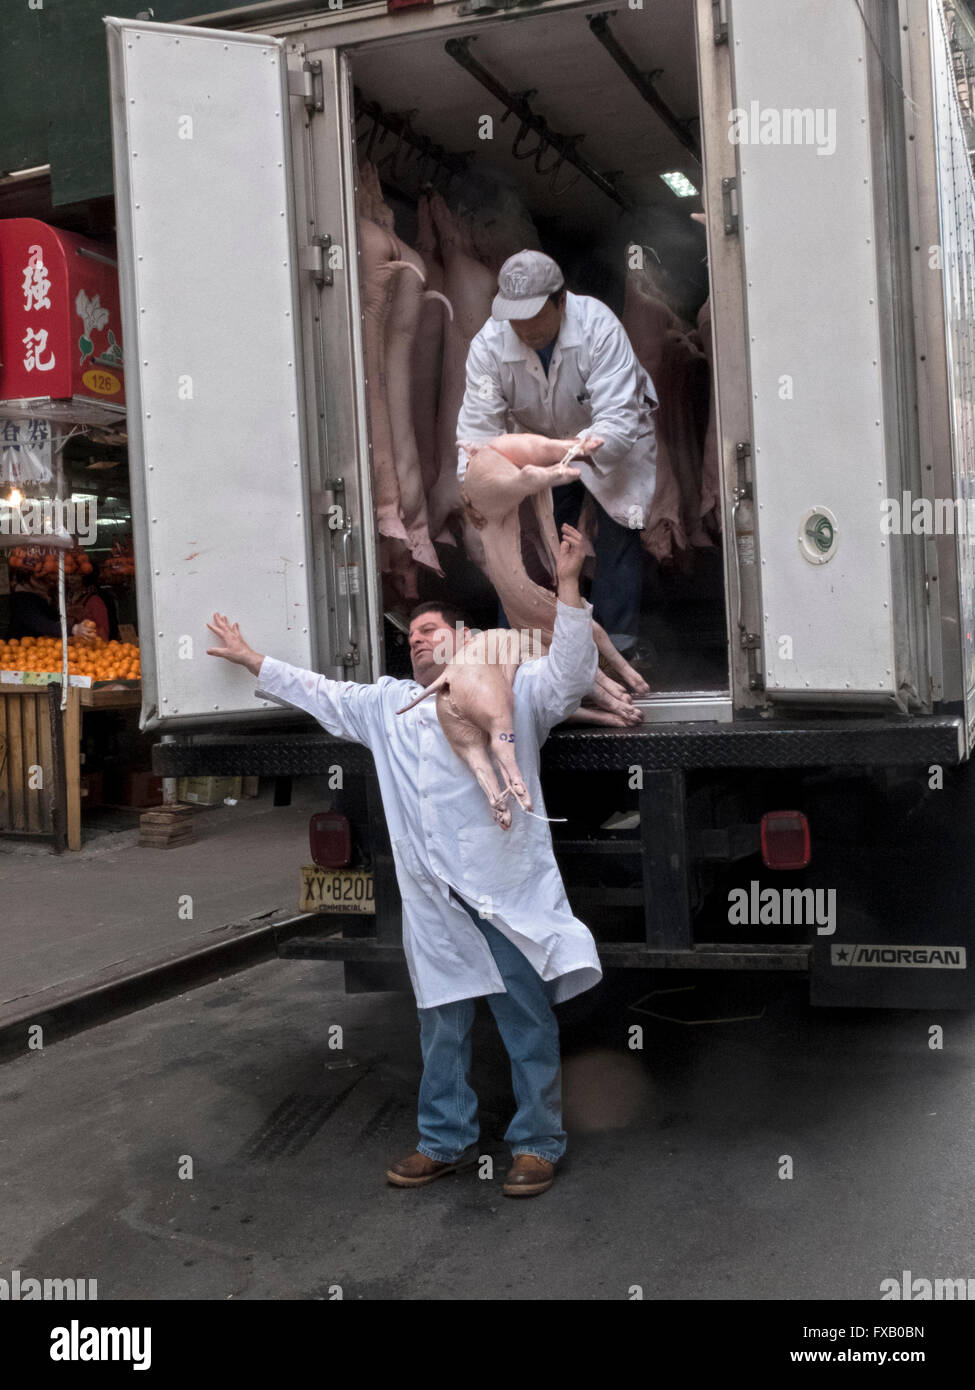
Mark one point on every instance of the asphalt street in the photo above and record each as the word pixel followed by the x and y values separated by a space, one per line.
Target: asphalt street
pixel 214 1146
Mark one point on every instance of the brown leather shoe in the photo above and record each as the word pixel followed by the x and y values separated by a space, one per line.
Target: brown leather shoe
pixel 528 1176
pixel 416 1169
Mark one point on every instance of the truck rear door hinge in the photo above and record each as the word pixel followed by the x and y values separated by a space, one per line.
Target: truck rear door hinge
pixel 313 257
pixel 752 645
pixel 743 456
pixel 729 201
pixel 719 14
pixel 306 82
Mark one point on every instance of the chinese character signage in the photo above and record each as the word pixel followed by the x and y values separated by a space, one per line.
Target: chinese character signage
pixel 25 451
pixel 60 325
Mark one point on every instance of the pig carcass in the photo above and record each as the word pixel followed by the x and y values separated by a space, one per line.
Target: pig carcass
pixel 475 707
pixel 470 287
pixel 428 348
pixel 669 352
pixel 393 301
pixel 401 330
pixel 379 250
pixel 500 475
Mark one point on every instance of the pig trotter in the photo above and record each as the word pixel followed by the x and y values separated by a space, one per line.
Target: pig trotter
pixel 614 661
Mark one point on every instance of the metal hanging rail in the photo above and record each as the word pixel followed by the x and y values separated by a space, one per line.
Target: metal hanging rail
pixel 599 25
pixel 564 145
pixel 399 124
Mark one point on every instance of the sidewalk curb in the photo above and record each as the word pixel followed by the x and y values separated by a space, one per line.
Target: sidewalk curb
pixel 66 1009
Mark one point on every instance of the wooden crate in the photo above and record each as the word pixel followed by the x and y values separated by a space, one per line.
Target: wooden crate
pixel 28 800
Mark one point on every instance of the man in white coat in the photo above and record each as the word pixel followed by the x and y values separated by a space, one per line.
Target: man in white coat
pixel 561 365
pixel 484 909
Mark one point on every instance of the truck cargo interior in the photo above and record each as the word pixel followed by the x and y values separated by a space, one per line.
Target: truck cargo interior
pixel 575 133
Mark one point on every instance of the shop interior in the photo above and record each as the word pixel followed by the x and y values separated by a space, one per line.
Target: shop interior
pixel 578 135
pixel 99 588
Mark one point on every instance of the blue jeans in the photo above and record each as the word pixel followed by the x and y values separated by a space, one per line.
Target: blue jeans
pixel 528 1027
pixel 617 584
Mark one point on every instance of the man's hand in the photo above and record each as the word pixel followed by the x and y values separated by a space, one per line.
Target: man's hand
pixel 233 648
pixel 589 443
pixel 85 631
pixel 569 566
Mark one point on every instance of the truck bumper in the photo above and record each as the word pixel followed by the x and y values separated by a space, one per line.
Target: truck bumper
pixel 760 743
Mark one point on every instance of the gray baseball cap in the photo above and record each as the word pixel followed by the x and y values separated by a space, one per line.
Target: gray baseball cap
pixel 525 282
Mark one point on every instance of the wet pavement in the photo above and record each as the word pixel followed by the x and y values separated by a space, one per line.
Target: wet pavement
pixel 216 1146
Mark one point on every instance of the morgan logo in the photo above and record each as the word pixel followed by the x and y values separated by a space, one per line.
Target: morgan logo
pixel 908 957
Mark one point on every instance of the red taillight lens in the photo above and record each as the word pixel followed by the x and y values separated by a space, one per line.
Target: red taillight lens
pixel 330 839
pixel 785 840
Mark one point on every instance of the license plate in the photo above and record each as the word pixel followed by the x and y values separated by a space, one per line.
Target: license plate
pixel 336 890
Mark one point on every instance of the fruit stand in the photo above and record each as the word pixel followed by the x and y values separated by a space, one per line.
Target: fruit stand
pixel 40 774
pixel 61 377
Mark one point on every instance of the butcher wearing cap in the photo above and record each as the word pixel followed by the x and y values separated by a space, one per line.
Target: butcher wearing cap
pixel 484 908
pixel 561 365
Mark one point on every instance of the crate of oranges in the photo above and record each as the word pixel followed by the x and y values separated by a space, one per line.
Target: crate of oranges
pixel 100 661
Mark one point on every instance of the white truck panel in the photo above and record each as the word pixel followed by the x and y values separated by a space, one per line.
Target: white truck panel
pixel 203 185
pixel 807 228
pixel 956 210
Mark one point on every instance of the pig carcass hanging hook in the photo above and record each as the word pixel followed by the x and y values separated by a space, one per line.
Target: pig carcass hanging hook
pixel 546 144
pixel 518 99
pixel 401 120
pixel 524 130
pixel 521 107
pixel 391 153
pixel 573 142
pixel 571 182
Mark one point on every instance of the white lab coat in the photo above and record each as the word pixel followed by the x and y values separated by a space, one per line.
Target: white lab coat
pixel 595 385
pixel 441 827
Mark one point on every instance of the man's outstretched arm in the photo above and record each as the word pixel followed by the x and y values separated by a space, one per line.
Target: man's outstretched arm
pixel 343 708
pixel 568 672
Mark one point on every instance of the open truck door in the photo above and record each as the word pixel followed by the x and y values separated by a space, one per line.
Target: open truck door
pixel 233 507
pixel 810 193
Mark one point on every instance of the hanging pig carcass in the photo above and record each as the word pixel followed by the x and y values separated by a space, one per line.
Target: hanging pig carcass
pixel 500 475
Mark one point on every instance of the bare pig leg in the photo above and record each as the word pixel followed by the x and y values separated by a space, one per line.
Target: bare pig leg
pixel 617 663
pixel 536 450
pixel 470 744
pixel 502 745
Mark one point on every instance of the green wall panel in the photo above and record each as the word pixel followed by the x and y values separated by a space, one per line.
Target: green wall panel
pixel 54 106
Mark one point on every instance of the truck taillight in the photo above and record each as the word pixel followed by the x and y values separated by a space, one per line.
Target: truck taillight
pixel 330 839
pixel 785 840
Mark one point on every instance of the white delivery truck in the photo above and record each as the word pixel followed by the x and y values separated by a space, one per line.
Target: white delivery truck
pixel 800 795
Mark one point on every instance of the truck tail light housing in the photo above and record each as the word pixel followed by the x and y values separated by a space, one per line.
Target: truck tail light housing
pixel 785 840
pixel 330 839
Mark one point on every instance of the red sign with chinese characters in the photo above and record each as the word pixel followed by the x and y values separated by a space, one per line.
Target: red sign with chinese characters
pixel 60 323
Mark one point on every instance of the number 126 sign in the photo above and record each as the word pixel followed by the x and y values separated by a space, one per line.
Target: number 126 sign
pixel 60 325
